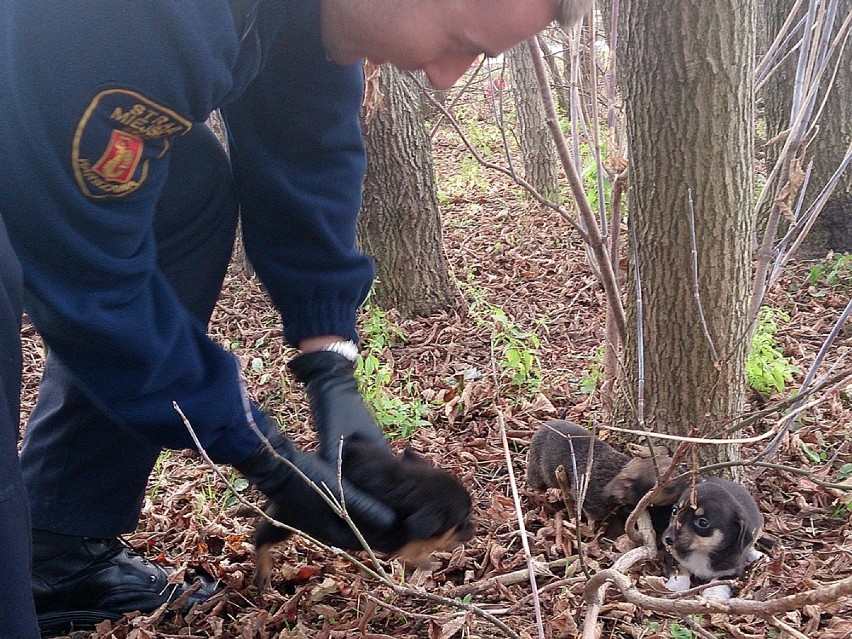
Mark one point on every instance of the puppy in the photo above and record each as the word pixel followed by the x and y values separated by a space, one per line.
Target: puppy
pixel 432 506
pixel 636 479
pixel 562 443
pixel 713 532
pixel 616 482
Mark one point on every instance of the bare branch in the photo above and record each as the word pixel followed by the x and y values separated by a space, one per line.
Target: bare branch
pixel 587 216
pixel 522 530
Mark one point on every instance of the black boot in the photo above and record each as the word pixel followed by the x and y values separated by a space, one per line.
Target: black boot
pixel 80 581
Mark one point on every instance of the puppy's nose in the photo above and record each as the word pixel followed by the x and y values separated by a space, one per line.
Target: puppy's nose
pixel 668 539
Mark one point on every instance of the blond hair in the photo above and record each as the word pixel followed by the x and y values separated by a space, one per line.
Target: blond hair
pixel 570 11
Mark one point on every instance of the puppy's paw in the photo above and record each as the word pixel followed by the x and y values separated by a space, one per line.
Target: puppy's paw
pixel 678 582
pixel 753 555
pixel 722 592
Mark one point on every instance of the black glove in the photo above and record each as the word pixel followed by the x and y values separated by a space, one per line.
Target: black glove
pixel 298 503
pixel 336 403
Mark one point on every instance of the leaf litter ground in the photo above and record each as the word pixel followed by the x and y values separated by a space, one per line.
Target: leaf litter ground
pixel 525 261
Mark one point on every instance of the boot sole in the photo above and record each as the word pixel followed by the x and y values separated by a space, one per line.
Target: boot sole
pixel 51 624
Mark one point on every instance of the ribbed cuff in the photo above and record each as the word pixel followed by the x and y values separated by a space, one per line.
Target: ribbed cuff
pixel 320 317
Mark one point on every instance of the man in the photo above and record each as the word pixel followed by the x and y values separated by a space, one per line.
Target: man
pixel 119 207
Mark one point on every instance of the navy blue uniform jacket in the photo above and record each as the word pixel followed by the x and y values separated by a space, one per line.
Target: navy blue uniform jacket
pixel 92 93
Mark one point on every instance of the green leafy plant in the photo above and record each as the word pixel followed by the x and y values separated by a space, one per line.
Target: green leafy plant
pixel 595 374
pixel 460 183
pixel 817 457
pixel 832 272
pixel 519 362
pixel 676 631
pixel 767 370
pixel 211 495
pixel 158 474
pixel 399 414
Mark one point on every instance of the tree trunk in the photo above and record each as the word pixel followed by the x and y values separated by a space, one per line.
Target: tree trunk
pixel 832 230
pixel 536 144
pixel 400 225
pixel 687 75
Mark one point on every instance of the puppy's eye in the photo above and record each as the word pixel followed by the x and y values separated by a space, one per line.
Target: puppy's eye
pixel 674 510
pixel 702 523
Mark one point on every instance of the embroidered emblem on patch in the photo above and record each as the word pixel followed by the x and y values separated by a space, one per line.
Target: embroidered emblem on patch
pixel 118 137
pixel 119 162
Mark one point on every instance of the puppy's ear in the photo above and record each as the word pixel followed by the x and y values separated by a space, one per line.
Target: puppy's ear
pixel 410 456
pixel 745 536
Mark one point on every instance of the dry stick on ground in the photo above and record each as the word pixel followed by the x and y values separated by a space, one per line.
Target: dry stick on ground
pixel 376 572
pixel 521 527
pixel 596 587
pixel 574 506
pixel 831 593
pixel 515 577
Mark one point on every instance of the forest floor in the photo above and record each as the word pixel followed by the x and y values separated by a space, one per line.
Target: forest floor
pixel 521 272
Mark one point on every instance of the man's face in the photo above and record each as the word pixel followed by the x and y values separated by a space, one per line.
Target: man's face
pixel 441 37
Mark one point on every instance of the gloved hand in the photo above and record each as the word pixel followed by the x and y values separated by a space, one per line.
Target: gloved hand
pixel 298 504
pixel 336 403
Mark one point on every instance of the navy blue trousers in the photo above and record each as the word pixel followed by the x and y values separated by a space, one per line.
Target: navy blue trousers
pixel 17 613
pixel 84 474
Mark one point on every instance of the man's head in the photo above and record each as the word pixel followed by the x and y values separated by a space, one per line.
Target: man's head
pixel 441 37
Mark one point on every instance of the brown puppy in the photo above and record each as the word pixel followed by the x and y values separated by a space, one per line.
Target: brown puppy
pixel 562 443
pixel 714 529
pixel 432 506
pixel 636 479
pixel 616 482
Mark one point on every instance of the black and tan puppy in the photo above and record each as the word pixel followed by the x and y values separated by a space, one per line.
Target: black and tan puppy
pixel 616 482
pixel 433 508
pixel 714 528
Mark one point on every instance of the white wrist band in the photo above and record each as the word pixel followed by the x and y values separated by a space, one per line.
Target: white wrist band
pixel 347 348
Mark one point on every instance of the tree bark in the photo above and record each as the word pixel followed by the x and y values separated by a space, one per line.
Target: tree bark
pixel 400 225
pixel 534 139
pixel 832 230
pixel 687 76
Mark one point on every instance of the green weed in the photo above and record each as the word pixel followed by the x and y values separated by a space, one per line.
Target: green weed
pixel 212 497
pixel 595 374
pixel 460 183
pixel 589 171
pixel 399 414
pixel 767 370
pixel 157 475
pixel 519 364
pixel 676 631
pixel 832 272
pixel 483 134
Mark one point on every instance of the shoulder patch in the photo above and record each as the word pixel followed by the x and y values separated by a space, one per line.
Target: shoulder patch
pixel 120 133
